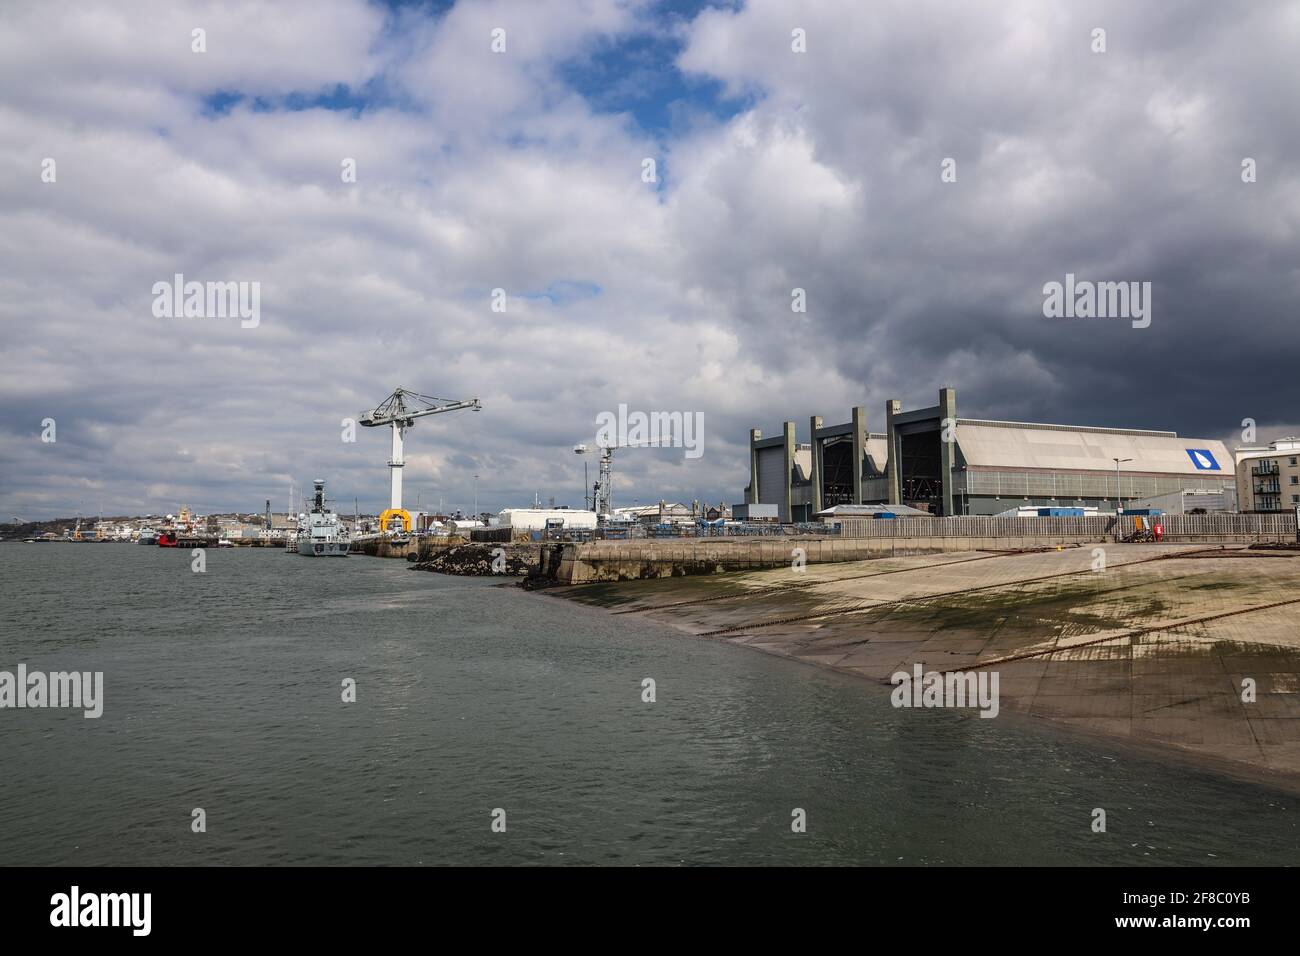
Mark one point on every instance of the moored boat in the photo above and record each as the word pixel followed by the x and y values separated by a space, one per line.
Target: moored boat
pixel 320 532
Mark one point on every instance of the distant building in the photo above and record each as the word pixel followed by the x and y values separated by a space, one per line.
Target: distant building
pixel 535 519
pixel 661 513
pixel 233 527
pixel 755 511
pixel 111 531
pixel 1268 478
pixel 939 463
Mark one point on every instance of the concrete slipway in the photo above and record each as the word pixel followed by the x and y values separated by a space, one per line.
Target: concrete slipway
pixel 1153 649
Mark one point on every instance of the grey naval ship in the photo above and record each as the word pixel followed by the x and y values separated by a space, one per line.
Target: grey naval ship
pixel 320 532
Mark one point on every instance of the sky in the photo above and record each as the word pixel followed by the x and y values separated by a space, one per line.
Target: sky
pixel 795 146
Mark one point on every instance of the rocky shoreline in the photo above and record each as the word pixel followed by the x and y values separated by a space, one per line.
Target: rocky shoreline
pixel 482 560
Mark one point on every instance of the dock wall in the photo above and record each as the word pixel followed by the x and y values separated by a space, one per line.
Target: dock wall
pixel 412 549
pixel 633 560
pixel 863 539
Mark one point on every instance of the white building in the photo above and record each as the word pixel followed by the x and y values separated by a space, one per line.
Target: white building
pixel 535 519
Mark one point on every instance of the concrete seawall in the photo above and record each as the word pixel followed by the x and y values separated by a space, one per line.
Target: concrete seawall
pixel 865 539
pixel 635 560
pixel 632 561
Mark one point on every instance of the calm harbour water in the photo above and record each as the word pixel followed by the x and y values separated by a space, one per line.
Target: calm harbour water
pixel 223 691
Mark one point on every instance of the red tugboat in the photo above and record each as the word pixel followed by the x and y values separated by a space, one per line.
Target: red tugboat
pixel 167 539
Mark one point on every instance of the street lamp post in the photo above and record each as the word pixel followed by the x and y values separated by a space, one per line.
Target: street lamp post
pixel 1119 504
pixel 476 497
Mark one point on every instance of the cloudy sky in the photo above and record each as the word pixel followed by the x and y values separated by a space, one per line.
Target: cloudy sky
pixel 523 170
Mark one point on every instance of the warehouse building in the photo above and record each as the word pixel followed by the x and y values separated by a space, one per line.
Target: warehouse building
pixel 934 460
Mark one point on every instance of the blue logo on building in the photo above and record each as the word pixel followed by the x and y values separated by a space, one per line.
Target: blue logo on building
pixel 1203 460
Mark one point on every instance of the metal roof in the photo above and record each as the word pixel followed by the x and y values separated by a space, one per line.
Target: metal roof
pixel 1006 445
pixel 853 511
pixel 1067 428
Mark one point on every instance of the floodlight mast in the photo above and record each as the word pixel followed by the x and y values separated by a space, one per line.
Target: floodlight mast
pixel 399 411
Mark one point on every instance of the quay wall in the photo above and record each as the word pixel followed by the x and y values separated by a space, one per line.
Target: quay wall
pixel 411 549
pixel 634 560
pixel 864 539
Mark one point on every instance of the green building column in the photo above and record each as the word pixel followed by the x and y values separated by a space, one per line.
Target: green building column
pixel 947 449
pixel 788 431
pixel 814 424
pixel 859 419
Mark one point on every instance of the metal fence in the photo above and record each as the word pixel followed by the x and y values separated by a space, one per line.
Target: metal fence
pixel 1223 525
pixel 975 527
pixel 1246 527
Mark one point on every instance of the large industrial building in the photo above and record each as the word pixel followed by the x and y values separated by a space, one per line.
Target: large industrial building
pixel 931 459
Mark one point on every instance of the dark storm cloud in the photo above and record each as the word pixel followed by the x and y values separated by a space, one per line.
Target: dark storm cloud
pixel 1122 165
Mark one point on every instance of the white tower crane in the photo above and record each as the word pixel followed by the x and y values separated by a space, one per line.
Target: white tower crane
pixel 400 410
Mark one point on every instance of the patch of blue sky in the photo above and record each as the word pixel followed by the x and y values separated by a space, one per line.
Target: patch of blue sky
pixel 430 7
pixel 339 98
pixel 636 74
pixel 565 292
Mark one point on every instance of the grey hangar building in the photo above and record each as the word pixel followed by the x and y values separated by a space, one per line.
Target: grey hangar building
pixel 986 467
